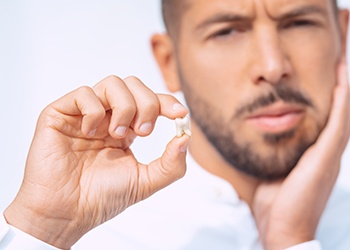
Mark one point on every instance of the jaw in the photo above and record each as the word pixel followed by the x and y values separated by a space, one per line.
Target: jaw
pixel 206 155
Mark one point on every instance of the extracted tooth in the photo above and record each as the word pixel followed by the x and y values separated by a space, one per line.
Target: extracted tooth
pixel 183 126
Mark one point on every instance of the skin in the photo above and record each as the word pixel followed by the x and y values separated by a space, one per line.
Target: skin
pixel 224 63
pixel 80 171
pixel 289 53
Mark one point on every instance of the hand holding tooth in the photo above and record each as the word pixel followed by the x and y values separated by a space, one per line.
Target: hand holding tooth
pixel 80 171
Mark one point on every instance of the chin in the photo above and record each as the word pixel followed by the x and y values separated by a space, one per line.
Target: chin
pixel 272 157
pixel 278 156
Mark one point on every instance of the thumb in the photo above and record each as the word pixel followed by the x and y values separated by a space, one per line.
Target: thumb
pixel 170 167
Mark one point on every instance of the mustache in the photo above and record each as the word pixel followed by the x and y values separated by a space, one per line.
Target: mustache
pixel 280 93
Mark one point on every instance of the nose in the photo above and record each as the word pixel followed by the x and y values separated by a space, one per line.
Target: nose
pixel 270 62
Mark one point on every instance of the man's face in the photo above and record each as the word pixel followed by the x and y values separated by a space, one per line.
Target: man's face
pixel 258 77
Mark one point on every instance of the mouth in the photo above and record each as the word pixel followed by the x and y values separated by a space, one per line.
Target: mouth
pixel 276 118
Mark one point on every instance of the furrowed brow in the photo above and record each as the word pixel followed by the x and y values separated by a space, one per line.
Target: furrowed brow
pixel 221 18
pixel 302 11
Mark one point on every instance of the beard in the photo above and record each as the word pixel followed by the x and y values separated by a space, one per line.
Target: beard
pixel 280 157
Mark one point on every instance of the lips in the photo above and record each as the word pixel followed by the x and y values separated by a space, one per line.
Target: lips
pixel 277 118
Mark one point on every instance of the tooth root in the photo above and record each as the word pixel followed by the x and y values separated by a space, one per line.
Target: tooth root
pixel 183 126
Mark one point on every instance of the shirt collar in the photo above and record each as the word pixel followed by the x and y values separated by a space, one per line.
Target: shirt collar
pixel 209 184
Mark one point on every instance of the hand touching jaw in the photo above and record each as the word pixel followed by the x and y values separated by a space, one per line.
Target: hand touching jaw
pixel 291 208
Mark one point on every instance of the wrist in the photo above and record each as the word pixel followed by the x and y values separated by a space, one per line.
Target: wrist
pixel 56 232
pixel 278 241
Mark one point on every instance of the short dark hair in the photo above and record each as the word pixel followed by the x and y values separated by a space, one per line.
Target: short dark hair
pixel 171 12
pixel 172 9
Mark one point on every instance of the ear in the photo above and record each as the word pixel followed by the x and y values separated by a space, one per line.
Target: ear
pixel 343 24
pixel 164 53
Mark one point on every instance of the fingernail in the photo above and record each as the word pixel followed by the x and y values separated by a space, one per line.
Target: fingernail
pixel 179 107
pixel 120 131
pixel 184 147
pixel 146 127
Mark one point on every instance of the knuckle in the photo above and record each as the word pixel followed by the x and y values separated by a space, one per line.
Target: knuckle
pixel 132 79
pixel 84 90
pixel 46 114
pixel 112 79
pixel 51 118
pixel 151 104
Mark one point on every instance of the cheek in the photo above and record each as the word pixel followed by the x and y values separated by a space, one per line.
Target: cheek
pixel 318 83
pixel 314 65
pixel 214 75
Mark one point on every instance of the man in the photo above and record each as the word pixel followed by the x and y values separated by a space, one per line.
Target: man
pixel 268 94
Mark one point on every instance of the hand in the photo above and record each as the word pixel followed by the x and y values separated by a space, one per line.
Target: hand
pixel 287 212
pixel 80 171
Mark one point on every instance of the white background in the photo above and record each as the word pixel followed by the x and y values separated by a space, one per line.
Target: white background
pixel 48 48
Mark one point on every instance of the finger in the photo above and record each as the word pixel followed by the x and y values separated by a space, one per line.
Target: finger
pixel 150 106
pixel 116 97
pixel 147 106
pixel 336 133
pixel 168 168
pixel 81 101
pixel 170 107
pixel 318 169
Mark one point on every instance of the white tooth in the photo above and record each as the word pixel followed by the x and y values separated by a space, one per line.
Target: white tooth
pixel 182 126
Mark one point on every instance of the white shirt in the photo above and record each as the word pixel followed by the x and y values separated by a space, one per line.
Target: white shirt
pixel 12 238
pixel 202 211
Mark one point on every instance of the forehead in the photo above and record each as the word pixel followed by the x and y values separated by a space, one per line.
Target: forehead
pixel 252 8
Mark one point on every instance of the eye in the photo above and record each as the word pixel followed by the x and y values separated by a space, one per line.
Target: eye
pixel 224 33
pixel 300 23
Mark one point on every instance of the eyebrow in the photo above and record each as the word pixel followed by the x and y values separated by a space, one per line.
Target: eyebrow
pixel 302 11
pixel 222 18
pixel 233 17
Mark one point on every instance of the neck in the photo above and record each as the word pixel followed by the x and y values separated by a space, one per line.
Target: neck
pixel 208 157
